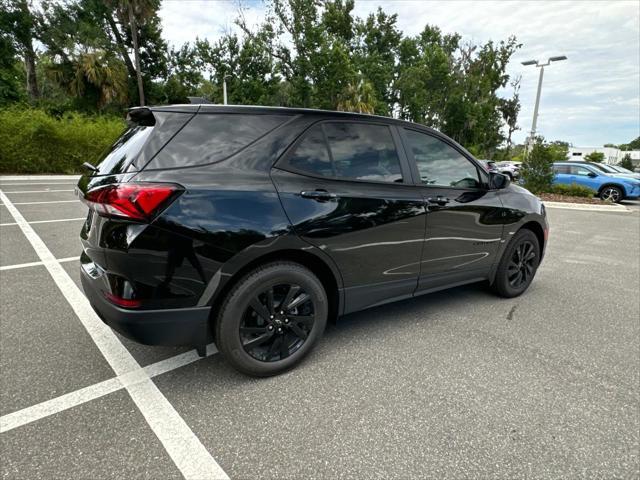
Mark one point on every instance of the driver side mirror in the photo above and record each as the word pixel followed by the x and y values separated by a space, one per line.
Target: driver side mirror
pixel 592 174
pixel 498 181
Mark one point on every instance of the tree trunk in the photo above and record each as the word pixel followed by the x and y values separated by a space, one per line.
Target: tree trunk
pixel 32 79
pixel 136 52
pixel 121 45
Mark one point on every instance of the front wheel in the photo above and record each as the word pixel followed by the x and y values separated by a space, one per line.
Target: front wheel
pixel 271 319
pixel 611 194
pixel 518 265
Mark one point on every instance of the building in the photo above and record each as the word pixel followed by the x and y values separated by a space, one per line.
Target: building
pixel 612 155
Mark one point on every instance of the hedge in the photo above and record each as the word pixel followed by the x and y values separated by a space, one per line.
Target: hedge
pixel 32 141
pixel 573 190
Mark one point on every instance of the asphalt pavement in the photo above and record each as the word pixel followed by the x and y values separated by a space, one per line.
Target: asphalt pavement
pixel 457 384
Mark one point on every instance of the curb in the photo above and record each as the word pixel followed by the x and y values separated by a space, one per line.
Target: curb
pixel 588 207
pixel 17 178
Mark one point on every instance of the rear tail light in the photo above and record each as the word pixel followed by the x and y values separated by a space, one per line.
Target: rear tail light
pixel 136 201
pixel 122 302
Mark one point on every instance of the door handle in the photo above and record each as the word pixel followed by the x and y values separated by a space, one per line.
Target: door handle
pixel 442 201
pixel 319 195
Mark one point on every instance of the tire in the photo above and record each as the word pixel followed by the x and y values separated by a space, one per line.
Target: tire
pixel 611 193
pixel 523 243
pixel 260 346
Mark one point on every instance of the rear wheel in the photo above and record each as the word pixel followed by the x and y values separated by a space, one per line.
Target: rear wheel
pixel 611 194
pixel 272 318
pixel 518 265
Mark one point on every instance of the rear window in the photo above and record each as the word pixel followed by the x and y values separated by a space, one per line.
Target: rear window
pixel 210 138
pixel 118 157
pixel 352 151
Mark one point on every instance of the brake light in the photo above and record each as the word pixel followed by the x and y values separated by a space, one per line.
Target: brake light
pixel 122 302
pixel 136 201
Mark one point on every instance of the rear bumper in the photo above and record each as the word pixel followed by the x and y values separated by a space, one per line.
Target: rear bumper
pixel 170 327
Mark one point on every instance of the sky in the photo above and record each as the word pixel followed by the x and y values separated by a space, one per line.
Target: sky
pixel 590 99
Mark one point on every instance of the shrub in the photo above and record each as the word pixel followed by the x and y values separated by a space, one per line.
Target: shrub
pixel 597 157
pixel 32 141
pixel 573 190
pixel 537 168
pixel 626 162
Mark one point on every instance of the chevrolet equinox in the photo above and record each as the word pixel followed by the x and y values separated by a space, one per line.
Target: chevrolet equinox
pixel 254 226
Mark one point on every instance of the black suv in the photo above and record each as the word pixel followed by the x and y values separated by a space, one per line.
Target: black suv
pixel 254 226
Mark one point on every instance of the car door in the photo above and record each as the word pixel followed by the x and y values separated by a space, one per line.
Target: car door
pixel 584 176
pixel 562 174
pixel 346 188
pixel 464 217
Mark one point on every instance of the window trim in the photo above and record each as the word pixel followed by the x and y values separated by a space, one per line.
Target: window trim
pixel 483 177
pixel 283 162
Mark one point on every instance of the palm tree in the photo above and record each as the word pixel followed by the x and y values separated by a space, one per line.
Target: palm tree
pixel 96 71
pixel 358 98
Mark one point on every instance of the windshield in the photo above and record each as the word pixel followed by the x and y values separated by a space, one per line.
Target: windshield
pixel 621 169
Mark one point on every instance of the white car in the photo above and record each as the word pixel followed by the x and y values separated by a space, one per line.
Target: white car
pixel 511 169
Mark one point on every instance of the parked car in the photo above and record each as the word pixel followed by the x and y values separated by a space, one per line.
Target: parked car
pixel 489 166
pixel 624 171
pixel 612 170
pixel 254 226
pixel 511 169
pixel 607 186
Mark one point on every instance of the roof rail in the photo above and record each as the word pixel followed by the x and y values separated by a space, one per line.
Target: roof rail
pixel 198 100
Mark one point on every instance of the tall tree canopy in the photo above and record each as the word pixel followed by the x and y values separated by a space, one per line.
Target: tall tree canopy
pixel 109 54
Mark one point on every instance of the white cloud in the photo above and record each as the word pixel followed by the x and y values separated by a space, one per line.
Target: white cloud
pixel 590 99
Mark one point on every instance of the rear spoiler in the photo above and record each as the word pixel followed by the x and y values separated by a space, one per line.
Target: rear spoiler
pixel 142 116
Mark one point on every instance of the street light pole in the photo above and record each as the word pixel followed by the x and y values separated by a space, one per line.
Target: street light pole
pixel 535 110
pixel 224 90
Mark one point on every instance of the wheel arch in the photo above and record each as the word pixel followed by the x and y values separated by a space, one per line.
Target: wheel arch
pixel 537 229
pixel 319 267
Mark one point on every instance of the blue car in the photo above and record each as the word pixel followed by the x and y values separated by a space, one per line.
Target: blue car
pixel 607 186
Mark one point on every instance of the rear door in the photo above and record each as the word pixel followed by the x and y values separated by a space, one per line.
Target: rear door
pixel 464 217
pixel 346 188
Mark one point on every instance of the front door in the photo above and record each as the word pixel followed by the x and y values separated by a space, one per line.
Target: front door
pixel 464 217
pixel 346 188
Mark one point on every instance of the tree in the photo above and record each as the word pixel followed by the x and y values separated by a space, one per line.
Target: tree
pixel 358 98
pixel 510 108
pixel 626 162
pixel 18 22
pixel 632 145
pixel 597 157
pixel 537 168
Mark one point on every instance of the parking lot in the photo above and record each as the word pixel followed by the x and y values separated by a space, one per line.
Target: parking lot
pixel 457 384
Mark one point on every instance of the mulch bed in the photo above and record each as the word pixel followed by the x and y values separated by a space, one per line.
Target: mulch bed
pixel 554 197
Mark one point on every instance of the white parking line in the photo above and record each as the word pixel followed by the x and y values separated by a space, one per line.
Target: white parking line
pixel 21 184
pixel 41 203
pixel 92 392
pixel 185 449
pixel 33 264
pixel 39 191
pixel 19 178
pixel 46 221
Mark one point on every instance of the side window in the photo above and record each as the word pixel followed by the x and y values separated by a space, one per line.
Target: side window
pixel 440 164
pixel 575 170
pixel 363 151
pixel 311 154
pixel 561 169
pixel 356 151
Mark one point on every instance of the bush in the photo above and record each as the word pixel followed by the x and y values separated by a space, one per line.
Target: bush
pixel 597 157
pixel 573 190
pixel 626 162
pixel 537 168
pixel 32 141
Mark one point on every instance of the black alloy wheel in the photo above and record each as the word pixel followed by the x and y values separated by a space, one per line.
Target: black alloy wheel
pixel 277 322
pixel 518 264
pixel 522 265
pixel 271 318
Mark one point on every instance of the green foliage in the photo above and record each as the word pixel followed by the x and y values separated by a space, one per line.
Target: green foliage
pixel 597 157
pixel 32 141
pixel 632 145
pixel 573 190
pixel 626 162
pixel 537 168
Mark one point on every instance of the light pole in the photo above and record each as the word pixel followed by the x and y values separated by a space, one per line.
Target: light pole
pixel 224 89
pixel 535 110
